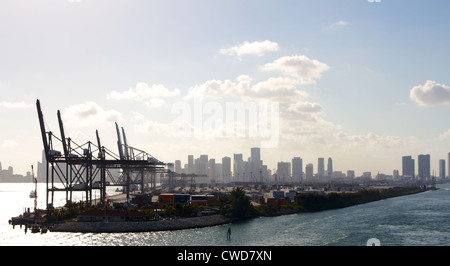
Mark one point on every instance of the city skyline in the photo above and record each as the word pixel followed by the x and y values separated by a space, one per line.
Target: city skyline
pixel 362 82
pixel 293 171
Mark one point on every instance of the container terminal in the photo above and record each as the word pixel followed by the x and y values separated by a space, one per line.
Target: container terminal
pixel 90 168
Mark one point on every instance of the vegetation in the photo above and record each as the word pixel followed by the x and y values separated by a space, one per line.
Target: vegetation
pixel 314 202
pixel 311 202
pixel 235 204
pixel 182 210
pixel 238 205
pixel 69 211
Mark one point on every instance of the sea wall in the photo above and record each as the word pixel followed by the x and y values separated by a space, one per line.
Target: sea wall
pixel 126 227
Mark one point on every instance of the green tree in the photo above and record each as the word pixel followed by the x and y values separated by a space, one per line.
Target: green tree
pixel 235 204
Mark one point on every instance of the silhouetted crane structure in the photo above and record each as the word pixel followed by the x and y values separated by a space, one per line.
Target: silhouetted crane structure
pixel 86 167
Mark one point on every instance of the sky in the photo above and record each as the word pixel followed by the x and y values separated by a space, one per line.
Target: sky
pixel 363 82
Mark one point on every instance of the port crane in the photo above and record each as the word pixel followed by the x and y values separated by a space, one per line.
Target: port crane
pixel 77 169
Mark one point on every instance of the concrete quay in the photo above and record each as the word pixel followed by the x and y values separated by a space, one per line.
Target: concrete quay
pixel 127 227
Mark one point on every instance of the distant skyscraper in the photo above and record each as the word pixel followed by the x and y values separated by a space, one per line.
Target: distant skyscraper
pixel 297 169
pixel 321 168
pixel 212 169
pixel 284 171
pixel 201 167
pixel 350 174
pixel 237 166
pixel 395 174
pixel 190 169
pixel 256 154
pixel 177 166
pixel 442 168
pixel 204 158
pixel 448 165
pixel 255 163
pixel 226 168
pixel 309 172
pixel 408 169
pixel 424 166
pixel 330 168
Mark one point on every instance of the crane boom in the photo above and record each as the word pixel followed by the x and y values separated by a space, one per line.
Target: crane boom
pixel 43 132
pixel 63 137
pixel 100 151
pixel 127 156
pixel 119 143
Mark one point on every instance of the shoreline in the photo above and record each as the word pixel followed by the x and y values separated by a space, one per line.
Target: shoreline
pixel 138 227
pixel 182 223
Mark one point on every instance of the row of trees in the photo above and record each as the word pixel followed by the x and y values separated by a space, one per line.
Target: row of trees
pixel 314 202
pixel 236 204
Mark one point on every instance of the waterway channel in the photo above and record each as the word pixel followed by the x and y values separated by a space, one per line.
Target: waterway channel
pixel 413 220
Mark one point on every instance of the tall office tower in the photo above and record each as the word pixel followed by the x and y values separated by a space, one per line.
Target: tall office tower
pixel 256 154
pixel 424 166
pixel 264 173
pixel 330 168
pixel 212 170
pixel 204 158
pixel 237 166
pixel 200 167
pixel 351 174
pixel 321 168
pixel 255 162
pixel 442 168
pixel 178 166
pixel 297 169
pixel 190 169
pixel 226 169
pixel 309 172
pixel 284 171
pixel 395 174
pixel 448 165
pixel 408 169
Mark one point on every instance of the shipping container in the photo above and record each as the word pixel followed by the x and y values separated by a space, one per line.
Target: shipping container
pixel 142 199
pixel 201 200
pixel 182 198
pixel 199 197
pixel 210 198
pixel 278 202
pixel 166 198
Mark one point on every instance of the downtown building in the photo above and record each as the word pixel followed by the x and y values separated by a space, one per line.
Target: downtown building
pixel 424 171
pixel 408 169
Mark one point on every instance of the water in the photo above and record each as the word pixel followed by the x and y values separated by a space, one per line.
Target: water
pixel 422 219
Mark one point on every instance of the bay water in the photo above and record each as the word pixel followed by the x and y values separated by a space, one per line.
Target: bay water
pixel 415 220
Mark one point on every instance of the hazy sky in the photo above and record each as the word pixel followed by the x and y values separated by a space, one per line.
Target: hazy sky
pixel 362 82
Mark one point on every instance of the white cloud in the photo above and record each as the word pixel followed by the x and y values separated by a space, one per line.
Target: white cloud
pixel 306 70
pixel 143 91
pixel 431 94
pixel 280 89
pixel 373 140
pixel 275 89
pixel 90 114
pixel 256 48
pixel 214 89
pixel 305 107
pixel 338 24
pixel 15 105
pixel 145 126
pixel 445 135
pixel 155 103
